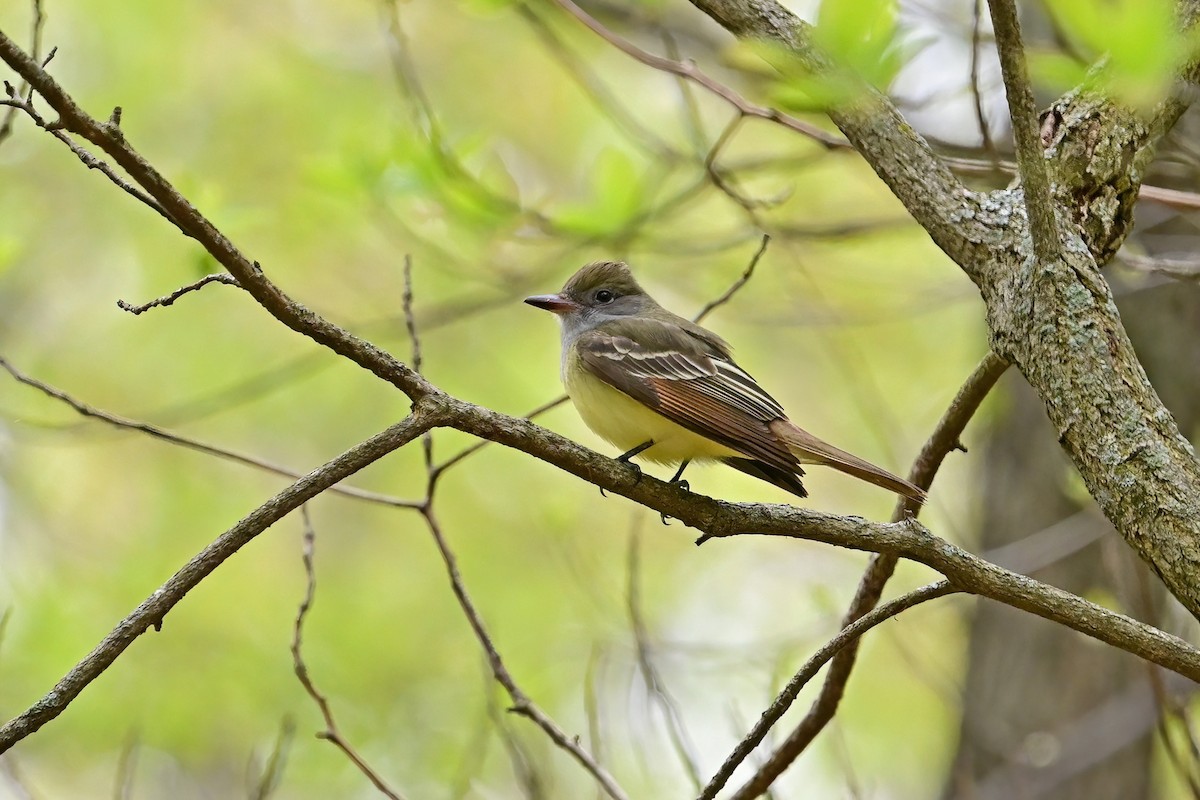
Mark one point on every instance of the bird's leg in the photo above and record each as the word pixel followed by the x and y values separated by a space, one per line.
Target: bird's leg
pixel 677 480
pixel 624 458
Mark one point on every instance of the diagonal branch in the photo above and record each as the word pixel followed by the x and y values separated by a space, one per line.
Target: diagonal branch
pixel 109 138
pixel 848 635
pixel 152 611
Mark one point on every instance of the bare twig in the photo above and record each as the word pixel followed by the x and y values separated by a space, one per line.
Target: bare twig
pixel 691 72
pixel 615 112
pixel 16 102
pixel 166 300
pixel 521 702
pixel 1171 197
pixel 331 732
pixel 35 51
pixel 1181 269
pixel 410 324
pixel 848 634
pixel 737 285
pixel 1176 198
pixel 192 444
pixel 1034 178
pixel 985 133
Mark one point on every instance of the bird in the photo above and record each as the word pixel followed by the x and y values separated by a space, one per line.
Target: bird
pixel 667 390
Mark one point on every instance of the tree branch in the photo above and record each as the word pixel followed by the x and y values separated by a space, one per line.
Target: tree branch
pixel 850 634
pixel 1036 184
pixel 109 138
pixel 154 608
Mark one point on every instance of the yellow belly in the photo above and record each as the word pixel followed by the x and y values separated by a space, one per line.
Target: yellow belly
pixel 624 422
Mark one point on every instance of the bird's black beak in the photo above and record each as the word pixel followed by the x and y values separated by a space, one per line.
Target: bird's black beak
pixel 552 302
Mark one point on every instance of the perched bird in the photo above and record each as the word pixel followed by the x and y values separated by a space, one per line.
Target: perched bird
pixel 661 387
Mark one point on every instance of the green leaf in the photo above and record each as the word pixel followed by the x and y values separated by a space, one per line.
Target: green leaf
pixel 862 35
pixel 1138 40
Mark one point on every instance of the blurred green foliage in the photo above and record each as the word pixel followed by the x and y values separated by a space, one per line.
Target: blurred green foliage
pixel 1136 45
pixel 298 131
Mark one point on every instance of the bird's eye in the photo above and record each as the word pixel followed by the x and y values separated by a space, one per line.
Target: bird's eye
pixel 605 296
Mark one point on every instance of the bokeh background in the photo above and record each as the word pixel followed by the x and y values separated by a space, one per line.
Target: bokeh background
pixel 500 146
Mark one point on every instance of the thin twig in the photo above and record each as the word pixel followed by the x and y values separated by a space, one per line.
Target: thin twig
pixel 614 111
pixel 737 285
pixel 414 337
pixel 848 634
pixel 985 133
pixel 1180 269
pixel 1034 178
pixel 166 300
pixel 331 732
pixel 35 51
pixel 691 72
pixel 521 703
pixel 156 432
pixel 15 101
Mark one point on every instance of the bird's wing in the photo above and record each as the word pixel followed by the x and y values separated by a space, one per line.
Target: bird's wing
pixel 692 386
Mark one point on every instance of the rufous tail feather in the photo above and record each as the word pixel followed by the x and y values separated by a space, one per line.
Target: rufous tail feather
pixel 809 449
